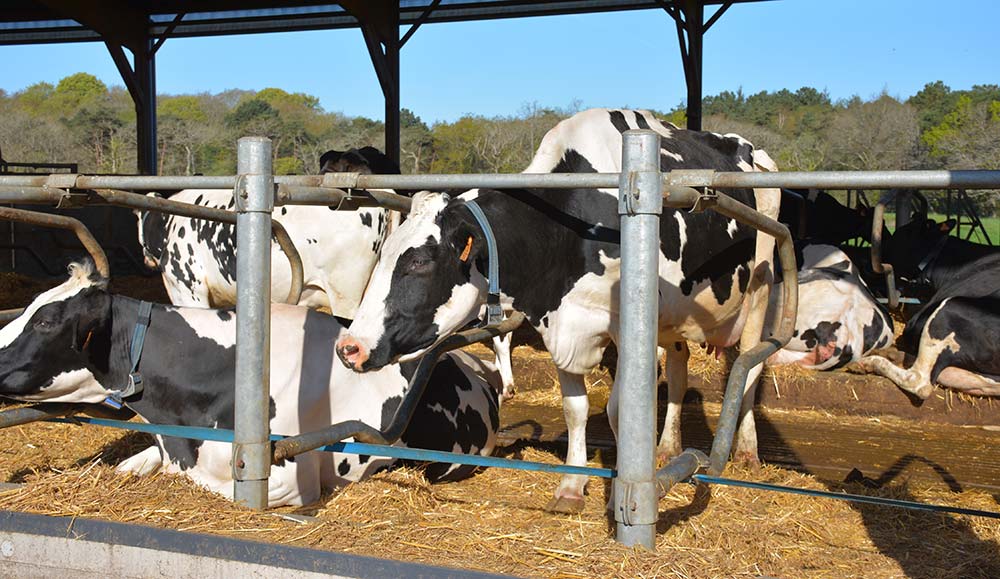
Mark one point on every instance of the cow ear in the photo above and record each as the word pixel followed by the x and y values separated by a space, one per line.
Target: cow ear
pixel 947 226
pixel 94 317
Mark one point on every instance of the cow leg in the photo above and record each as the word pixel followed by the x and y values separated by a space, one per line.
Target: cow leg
pixel 968 382
pixel 677 383
pixel 917 378
pixel 569 495
pixel 501 347
pixel 143 463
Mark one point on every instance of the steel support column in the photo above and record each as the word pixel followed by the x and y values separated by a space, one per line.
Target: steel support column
pixel 379 20
pixel 251 433
pixel 145 111
pixel 640 205
pixel 694 20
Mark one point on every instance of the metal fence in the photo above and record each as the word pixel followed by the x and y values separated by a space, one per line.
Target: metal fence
pixel 643 191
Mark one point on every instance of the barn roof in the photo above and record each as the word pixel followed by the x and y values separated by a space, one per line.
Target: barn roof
pixel 47 21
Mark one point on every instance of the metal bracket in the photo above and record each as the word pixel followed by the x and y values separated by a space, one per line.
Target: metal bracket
pixel 628 503
pixel 61 181
pixel 244 467
pixel 345 181
pixel 240 194
pixel 708 199
pixel 72 200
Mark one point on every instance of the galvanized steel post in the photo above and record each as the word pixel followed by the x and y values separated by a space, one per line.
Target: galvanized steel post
pixel 254 196
pixel 640 204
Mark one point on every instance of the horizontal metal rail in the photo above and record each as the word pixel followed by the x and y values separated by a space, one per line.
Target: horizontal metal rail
pixel 295 445
pixel 940 179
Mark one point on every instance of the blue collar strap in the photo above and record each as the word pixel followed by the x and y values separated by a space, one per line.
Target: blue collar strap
pixel 117 399
pixel 494 313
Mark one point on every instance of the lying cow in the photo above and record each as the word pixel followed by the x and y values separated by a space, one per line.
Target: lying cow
pixel 820 218
pixel 338 248
pixel 838 320
pixel 954 340
pixel 72 345
pixel 559 259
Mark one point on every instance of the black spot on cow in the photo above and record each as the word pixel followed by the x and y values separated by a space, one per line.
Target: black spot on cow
pixel 823 334
pixel 344 467
pixel 439 411
pixel 284 211
pixel 226 314
pixel 364 458
pixel 640 122
pixel 366 219
pixel 872 332
pixel 198 199
pixel 181 232
pixel 618 120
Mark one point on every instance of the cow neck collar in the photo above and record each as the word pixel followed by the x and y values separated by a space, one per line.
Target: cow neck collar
pixel 133 384
pixel 931 257
pixel 494 312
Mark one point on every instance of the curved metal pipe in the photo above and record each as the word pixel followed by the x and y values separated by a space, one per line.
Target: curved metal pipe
pixel 147 203
pixel 63 222
pixel 878 222
pixel 361 432
pixel 46 410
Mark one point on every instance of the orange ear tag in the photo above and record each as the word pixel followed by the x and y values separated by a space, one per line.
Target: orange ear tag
pixel 468 249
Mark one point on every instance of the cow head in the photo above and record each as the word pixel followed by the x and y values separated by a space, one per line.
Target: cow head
pixel 47 353
pixel 152 234
pixel 913 242
pixel 366 160
pixel 427 284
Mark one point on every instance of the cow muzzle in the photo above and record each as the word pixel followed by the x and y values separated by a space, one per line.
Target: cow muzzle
pixel 352 353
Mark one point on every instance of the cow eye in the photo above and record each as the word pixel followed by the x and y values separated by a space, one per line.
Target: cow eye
pixel 419 264
pixel 44 324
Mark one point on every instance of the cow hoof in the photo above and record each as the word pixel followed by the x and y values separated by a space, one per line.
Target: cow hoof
pixel 747 460
pixel 565 505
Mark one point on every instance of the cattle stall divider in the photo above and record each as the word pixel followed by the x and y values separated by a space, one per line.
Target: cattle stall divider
pixel 86 238
pixel 640 182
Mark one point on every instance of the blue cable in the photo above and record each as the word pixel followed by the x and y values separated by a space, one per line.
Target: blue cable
pixel 224 435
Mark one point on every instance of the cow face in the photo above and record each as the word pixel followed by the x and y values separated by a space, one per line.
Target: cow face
pixel 427 285
pixel 45 354
pixel 913 242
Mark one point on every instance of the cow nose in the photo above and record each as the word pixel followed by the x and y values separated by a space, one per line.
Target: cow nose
pixel 352 353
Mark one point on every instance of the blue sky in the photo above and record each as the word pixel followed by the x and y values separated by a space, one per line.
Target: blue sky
pixel 495 67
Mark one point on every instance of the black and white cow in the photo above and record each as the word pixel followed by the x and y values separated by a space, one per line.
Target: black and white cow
pixel 826 220
pixel 559 255
pixel 838 320
pixel 954 340
pixel 72 345
pixel 338 248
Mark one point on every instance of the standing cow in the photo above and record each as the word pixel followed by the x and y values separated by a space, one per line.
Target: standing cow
pixel 72 344
pixel 954 340
pixel 338 248
pixel 559 260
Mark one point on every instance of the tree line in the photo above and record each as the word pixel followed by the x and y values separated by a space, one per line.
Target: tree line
pixel 80 119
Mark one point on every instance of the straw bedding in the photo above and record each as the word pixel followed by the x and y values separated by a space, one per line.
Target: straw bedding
pixel 495 521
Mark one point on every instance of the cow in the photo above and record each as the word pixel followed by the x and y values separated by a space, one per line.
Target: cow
pixel 338 249
pixel 817 216
pixel 559 259
pixel 954 339
pixel 72 345
pixel 838 320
